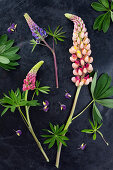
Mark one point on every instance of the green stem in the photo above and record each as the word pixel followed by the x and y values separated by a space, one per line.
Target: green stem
pixel 103 137
pixel 32 131
pixel 83 110
pixel 67 124
pixel 23 117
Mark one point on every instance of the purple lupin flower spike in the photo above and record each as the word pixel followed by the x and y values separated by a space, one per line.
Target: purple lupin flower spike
pixel 37 32
pixel 12 28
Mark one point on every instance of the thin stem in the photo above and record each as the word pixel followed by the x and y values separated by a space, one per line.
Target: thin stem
pixel 32 98
pixel 83 110
pixel 32 131
pixel 55 62
pixel 103 138
pixel 23 117
pixel 67 124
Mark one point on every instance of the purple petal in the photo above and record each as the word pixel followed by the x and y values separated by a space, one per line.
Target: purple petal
pixel 67 95
pixel 63 107
pixel 18 132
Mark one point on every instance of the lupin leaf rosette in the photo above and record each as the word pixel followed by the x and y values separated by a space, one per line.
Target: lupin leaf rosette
pixel 81 60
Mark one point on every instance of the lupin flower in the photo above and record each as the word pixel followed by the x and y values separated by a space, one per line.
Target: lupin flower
pixel 12 28
pixel 37 32
pixel 80 58
pixel 29 82
pixel 82 146
pixel 67 95
pixel 45 104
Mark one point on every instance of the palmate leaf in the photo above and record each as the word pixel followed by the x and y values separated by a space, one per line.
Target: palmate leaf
pixel 8 54
pixel 102 22
pixel 56 135
pixel 101 90
pixel 15 100
pixel 43 89
pixel 98 6
pixel 57 34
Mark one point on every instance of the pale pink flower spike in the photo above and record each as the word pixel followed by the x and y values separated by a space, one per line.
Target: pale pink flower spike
pixel 80 52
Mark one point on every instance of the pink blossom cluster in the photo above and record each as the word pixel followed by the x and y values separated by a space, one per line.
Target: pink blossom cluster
pixel 29 82
pixel 81 60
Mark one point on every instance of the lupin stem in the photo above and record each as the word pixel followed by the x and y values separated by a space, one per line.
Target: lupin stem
pixel 67 124
pixel 32 131
pixel 103 137
pixel 55 62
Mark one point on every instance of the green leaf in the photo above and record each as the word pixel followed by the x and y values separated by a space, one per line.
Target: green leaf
pixel 62 141
pixel 2 48
pixel 111 5
pixel 4 111
pixel 64 138
pixel 4 60
pixel 94 136
pixel 106 22
pixel 101 23
pixel 106 102
pixel 43 91
pixel 91 124
pixel 63 132
pixel 105 3
pixel 98 20
pixel 33 47
pixel 33 103
pixel 93 84
pixel 99 126
pixel 51 126
pixel 112 16
pixel 11 51
pixel 87 130
pixel 3 39
pixel 98 7
pixel 47 141
pixel 96 114
pixel 100 85
pixel 13 108
pixel 108 93
pixel 46 136
pixel 61 128
pixel 9 44
pixel 51 143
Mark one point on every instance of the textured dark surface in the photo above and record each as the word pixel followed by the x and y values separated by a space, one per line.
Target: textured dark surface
pixel 21 153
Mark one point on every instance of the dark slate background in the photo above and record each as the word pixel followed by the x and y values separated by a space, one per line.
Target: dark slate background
pixel 21 153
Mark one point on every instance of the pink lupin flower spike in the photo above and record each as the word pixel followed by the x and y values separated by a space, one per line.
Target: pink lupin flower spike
pixel 81 64
pixel 80 52
pixel 29 82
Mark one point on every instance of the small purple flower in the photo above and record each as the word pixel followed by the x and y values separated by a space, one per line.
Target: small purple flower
pixel 82 146
pixel 37 32
pixel 45 108
pixel 67 95
pixel 18 132
pixel 12 28
pixel 46 103
pixel 62 106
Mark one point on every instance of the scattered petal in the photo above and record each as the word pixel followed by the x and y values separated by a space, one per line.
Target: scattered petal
pixel 46 103
pixel 82 146
pixel 62 106
pixel 12 28
pixel 67 95
pixel 18 132
pixel 45 108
